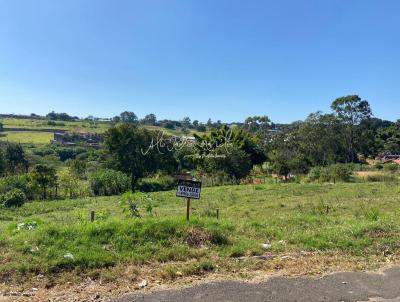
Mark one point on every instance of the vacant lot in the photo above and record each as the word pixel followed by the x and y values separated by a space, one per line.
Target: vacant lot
pixel 358 222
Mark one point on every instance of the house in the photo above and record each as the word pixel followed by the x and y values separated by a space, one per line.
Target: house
pixel 72 139
pixel 390 158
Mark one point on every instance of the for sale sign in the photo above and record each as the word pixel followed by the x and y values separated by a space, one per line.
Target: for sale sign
pixel 189 189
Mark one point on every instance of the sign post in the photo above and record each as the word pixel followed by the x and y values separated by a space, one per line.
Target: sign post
pixel 189 189
pixel 187 209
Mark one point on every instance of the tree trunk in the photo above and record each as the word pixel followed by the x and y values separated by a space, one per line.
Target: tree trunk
pixel 134 180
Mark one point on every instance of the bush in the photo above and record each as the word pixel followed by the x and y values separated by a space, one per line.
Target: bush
pixel 315 173
pixel 65 153
pixel 392 168
pixel 20 182
pixel 53 123
pixel 162 183
pixel 381 178
pixel 109 182
pixel 13 198
pixel 337 172
pixel 341 172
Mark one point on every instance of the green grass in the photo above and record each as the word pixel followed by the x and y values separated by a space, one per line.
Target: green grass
pixel 42 124
pixel 79 126
pixel 359 219
pixel 27 137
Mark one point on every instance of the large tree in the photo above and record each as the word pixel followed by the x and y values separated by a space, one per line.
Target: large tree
pixel 128 117
pixel 320 139
pixel 138 151
pixel 15 160
pixel 150 119
pixel 351 110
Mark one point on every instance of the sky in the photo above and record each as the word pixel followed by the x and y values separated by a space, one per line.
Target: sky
pixel 219 59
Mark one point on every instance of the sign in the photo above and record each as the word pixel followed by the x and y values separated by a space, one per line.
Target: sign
pixel 188 188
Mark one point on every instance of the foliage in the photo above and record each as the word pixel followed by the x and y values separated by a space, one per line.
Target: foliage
pixel 352 228
pixel 109 182
pixel 71 186
pixel 351 110
pixel 13 198
pixel 43 177
pixel 131 150
pixel 60 116
pixel 231 151
pixel 128 117
pixel 154 184
pixel 15 160
pixel 20 182
pixel 336 172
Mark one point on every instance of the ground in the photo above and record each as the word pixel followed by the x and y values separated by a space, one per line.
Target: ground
pixel 336 287
pixel 263 230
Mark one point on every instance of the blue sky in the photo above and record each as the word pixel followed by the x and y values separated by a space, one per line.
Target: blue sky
pixel 223 59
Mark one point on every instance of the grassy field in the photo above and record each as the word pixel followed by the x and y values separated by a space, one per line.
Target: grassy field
pixel 355 220
pixel 27 137
pixel 42 124
pixel 79 126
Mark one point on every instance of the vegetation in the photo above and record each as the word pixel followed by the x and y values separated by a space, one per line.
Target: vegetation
pixel 356 219
pixel 320 185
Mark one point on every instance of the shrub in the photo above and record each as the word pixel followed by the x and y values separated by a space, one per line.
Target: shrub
pixel 337 172
pixel 20 182
pixel 162 183
pixel 341 172
pixel 392 168
pixel 315 173
pixel 381 178
pixel 109 182
pixel 13 198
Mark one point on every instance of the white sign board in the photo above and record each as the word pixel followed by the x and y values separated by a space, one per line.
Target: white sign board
pixel 189 189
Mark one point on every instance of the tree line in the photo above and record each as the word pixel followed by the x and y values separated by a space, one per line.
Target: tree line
pixel 133 157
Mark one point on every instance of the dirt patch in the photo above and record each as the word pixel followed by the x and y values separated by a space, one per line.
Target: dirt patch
pixel 367 173
pixel 198 237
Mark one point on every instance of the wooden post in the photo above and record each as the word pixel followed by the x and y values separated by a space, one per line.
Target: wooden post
pixel 92 216
pixel 217 213
pixel 188 209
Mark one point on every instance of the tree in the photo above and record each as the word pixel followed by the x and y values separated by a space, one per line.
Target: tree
pixel 69 183
pixel 225 136
pixel 257 125
pixel 61 116
pixel 128 117
pixel 135 151
pixel 388 139
pixel 150 119
pixel 320 139
pixel 228 160
pixel 77 168
pixel 15 160
pixel 2 162
pixel 351 110
pixel 368 136
pixel 116 119
pixel 1 127
pixel 44 177
pixel 186 122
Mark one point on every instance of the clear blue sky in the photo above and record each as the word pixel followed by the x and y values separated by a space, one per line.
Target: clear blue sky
pixel 223 59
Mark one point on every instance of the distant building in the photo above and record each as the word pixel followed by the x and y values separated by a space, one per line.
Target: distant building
pixel 72 139
pixel 390 158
